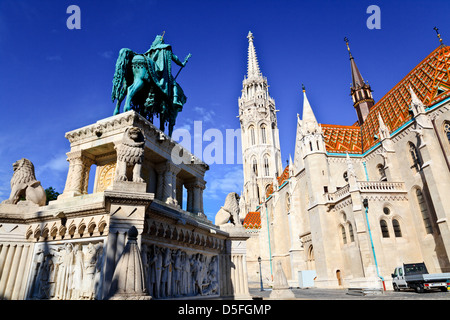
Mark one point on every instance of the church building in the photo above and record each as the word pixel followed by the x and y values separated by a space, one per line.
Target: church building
pixel 355 201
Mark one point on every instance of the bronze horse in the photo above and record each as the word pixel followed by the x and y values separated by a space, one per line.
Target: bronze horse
pixel 147 82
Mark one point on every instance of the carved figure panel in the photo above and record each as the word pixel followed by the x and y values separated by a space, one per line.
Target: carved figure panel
pixel 68 271
pixel 172 273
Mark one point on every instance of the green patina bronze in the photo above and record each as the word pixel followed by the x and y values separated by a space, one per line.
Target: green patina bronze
pixel 147 82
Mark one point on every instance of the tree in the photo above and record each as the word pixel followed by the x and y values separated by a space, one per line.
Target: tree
pixel 51 194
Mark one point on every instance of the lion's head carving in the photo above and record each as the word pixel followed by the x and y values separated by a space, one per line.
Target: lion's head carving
pixel 23 172
pixel 131 150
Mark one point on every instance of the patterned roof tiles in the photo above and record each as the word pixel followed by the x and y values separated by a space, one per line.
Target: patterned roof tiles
pixel 342 139
pixel 252 220
pixel 430 80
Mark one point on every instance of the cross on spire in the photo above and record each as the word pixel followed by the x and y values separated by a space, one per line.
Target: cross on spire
pixel 348 47
pixel 438 35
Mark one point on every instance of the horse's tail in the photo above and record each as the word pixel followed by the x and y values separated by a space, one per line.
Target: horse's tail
pixel 120 76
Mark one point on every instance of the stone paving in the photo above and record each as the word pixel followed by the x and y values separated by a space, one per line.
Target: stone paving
pixel 342 294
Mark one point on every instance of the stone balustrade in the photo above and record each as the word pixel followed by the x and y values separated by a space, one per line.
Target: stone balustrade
pixel 366 186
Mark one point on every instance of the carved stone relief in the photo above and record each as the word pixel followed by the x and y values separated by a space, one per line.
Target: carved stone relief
pixel 172 273
pixel 68 271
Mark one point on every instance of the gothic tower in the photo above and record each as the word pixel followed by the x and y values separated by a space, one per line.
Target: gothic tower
pixel 260 141
pixel 360 91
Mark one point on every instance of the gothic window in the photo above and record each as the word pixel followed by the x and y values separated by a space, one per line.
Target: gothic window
pixel 397 230
pixel 263 133
pixel 424 211
pixel 266 166
pixel 344 236
pixel 447 130
pixel 384 229
pixel 255 167
pixel 350 231
pixel 414 156
pixel 252 135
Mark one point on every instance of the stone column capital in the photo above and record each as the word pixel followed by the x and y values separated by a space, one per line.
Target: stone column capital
pixel 195 183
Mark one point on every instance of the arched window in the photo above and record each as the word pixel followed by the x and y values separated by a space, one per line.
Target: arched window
pixel 424 211
pixel 252 135
pixel 416 163
pixel 255 167
pixel 266 166
pixel 263 133
pixel 447 130
pixel 397 230
pixel 350 231
pixel 344 236
pixel 384 229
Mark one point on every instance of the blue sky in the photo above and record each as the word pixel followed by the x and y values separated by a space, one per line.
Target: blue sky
pixel 54 80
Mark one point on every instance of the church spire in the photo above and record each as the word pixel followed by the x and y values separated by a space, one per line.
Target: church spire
pixel 309 122
pixel 359 90
pixel 308 114
pixel 252 64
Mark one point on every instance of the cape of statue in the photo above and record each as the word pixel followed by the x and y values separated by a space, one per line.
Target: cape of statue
pixel 148 84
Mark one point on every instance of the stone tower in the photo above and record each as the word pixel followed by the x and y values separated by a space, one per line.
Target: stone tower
pixel 260 140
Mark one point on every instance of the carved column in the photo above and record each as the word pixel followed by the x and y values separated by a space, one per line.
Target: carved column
pixel 160 169
pixel 190 197
pixel 167 182
pixel 78 176
pixel 195 189
pixel 179 192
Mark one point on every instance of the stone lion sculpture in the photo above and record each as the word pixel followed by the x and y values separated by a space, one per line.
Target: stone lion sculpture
pixel 24 184
pixel 229 212
pixel 130 153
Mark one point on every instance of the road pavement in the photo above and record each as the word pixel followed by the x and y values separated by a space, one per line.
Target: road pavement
pixel 342 294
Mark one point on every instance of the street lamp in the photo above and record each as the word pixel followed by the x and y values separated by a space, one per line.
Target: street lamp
pixel 260 274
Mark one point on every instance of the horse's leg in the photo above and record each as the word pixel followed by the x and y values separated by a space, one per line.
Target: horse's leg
pixel 171 124
pixel 117 109
pixel 162 122
pixel 137 85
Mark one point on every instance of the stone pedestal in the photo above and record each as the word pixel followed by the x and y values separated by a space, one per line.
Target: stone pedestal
pixel 85 239
pixel 236 258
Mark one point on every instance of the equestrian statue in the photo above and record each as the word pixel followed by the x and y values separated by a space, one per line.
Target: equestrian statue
pixel 147 82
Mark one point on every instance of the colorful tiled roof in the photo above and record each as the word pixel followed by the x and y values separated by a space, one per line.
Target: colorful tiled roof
pixel 281 179
pixel 342 138
pixel 430 80
pixel 252 220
